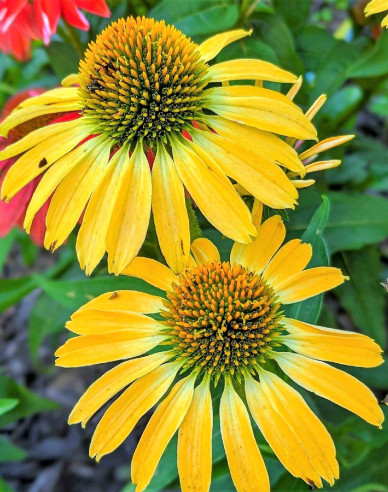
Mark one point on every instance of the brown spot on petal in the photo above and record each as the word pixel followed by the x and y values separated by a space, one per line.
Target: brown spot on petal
pixel 113 296
pixel 43 162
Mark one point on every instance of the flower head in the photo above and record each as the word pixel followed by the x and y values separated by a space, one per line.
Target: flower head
pixel 21 21
pixel 145 88
pixel 375 7
pixel 220 326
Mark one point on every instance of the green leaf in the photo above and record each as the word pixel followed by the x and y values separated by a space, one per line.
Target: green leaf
pixel 249 47
pixel 310 309
pixel 5 246
pixel 362 296
pixel 196 17
pixel 374 62
pixel 312 46
pixel 294 13
pixel 4 487
pixel 48 317
pixel 10 452
pixel 7 404
pixel 63 57
pixel 75 293
pixel 29 403
pixel 28 248
pixel 355 220
pixel 14 289
pixel 277 35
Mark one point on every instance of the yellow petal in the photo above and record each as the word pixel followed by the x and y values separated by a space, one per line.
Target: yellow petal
pixel 22 115
pixel 323 145
pixel 245 462
pixel 39 158
pixel 169 210
pixel 249 69
pixel 322 165
pixel 130 219
pixel 295 88
pixel 96 321
pixel 55 96
pixel 261 108
pixel 291 258
pixel 219 203
pixel 375 7
pixel 70 80
pixel 159 431
pixel 302 183
pixel 195 442
pixel 91 239
pixel 126 300
pixel 111 383
pixel 262 178
pixel 332 384
pixel 122 416
pixel 204 251
pixel 316 106
pixel 260 143
pixel 73 193
pixel 309 283
pixel 87 350
pixel 342 347
pixel 210 48
pixel 256 255
pixel 53 176
pixel 297 436
pixel 152 271
pixel 37 137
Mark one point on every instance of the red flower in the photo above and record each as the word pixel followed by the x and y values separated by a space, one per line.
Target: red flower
pixel 22 21
pixel 12 214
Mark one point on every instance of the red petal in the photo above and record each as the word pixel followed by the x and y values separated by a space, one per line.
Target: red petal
pixel 73 16
pixel 97 7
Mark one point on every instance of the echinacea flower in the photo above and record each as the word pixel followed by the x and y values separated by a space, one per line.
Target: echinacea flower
pixel 21 21
pixel 13 213
pixel 222 324
pixel 145 87
pixel 375 7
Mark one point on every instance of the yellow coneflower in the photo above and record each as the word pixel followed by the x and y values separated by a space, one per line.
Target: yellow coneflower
pixel 375 7
pixel 222 324
pixel 145 88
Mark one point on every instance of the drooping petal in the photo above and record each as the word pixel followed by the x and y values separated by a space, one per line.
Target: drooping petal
pixel 169 211
pixel 260 143
pixel 126 300
pixel 309 283
pixel 249 69
pixel 111 382
pixel 54 96
pixel 122 416
pixel 97 321
pixel 92 236
pixel 297 436
pixel 87 350
pixel 152 271
pixel 195 442
pixel 256 255
pixel 25 114
pixel 323 145
pixel 131 215
pixel 210 48
pixel 263 179
pixel 245 462
pixel 71 196
pixel 159 431
pixel 291 258
pixel 332 384
pixel 261 108
pixel 204 251
pixel 220 204
pixel 37 160
pixel 342 347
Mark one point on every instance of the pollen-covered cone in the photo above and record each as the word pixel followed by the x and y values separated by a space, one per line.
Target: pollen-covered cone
pixel 222 321
pixel 376 7
pixel 145 88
